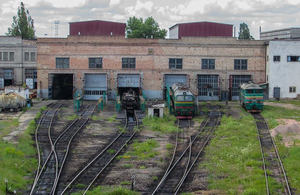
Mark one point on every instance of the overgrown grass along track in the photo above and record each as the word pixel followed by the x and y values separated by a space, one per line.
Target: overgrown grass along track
pixel 272 164
pixel 179 169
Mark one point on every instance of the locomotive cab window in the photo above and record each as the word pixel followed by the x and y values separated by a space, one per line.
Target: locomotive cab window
pixel 189 98
pixel 180 98
pixel 259 90
pixel 250 90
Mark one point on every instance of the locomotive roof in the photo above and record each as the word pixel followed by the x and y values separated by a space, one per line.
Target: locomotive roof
pixel 250 86
pixel 180 88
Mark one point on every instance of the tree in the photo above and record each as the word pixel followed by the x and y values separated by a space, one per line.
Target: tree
pixel 136 28
pixel 244 32
pixel 23 24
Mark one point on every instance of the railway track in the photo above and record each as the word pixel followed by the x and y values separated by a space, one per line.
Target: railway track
pixel 272 163
pixel 43 143
pixel 90 173
pixel 47 179
pixel 181 165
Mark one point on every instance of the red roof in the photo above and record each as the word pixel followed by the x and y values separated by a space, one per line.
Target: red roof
pixel 203 29
pixel 97 28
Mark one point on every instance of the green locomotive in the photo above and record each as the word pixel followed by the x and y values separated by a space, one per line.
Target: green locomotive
pixel 251 97
pixel 182 101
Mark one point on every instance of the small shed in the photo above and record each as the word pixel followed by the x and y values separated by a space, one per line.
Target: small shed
pixel 156 110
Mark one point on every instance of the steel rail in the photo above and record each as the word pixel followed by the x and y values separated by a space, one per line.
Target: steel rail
pixel 108 163
pixel 181 156
pixel 68 146
pixel 286 183
pixel 38 149
pixel 195 160
pixel 95 158
pixel 39 154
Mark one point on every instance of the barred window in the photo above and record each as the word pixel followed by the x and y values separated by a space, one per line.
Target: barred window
pixel 240 64
pixel 175 63
pixel 95 62
pixel 62 62
pixel 208 63
pixel 128 62
pixel 26 56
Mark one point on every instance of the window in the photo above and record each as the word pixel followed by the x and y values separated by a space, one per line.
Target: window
pixel 31 73
pixel 11 56
pixel 0 56
pixel 26 56
pixel 95 62
pixel 175 63
pixel 5 56
pixel 240 64
pixel 293 58
pixel 62 63
pixel 276 58
pixel 32 56
pixel 292 89
pixel 208 63
pixel 128 62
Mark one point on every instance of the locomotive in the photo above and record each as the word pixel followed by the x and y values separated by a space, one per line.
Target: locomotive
pixel 251 97
pixel 183 101
pixel 130 100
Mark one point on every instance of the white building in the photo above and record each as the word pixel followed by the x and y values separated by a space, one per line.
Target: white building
pixel 283 68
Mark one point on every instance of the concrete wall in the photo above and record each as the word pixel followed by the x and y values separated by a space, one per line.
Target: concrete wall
pixel 283 74
pixel 152 65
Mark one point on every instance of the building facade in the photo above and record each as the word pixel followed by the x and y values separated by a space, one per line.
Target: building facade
pixel 18 62
pixel 283 68
pixel 114 64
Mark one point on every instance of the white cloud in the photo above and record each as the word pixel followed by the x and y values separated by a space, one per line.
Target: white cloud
pixel 114 2
pixel 147 5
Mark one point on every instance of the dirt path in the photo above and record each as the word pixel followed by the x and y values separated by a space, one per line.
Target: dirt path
pixel 289 106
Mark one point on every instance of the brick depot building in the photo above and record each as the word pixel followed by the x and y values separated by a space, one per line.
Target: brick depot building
pixel 210 66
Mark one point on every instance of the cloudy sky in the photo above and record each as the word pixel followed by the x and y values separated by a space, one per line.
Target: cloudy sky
pixel 269 14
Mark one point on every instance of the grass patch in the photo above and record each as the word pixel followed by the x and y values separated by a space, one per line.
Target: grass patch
pixel 108 191
pixel 169 146
pixel 125 183
pixel 96 118
pixel 112 119
pixel 164 125
pixel 72 117
pixel 110 151
pixel 233 158
pixel 18 161
pixel 38 115
pixel 294 102
pixel 142 150
pixel 127 165
pixel 6 126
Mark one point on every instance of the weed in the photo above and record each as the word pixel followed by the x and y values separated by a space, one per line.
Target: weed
pixel 128 165
pixel 154 177
pixel 142 167
pixel 72 117
pixel 111 151
pixel 125 183
pixel 143 150
pixel 164 125
pixel 112 119
pixel 169 146
pixel 80 185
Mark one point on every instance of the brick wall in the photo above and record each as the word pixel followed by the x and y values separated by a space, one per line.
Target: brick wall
pixel 153 66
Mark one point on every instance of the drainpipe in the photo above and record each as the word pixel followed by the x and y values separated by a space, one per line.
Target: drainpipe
pixel 22 62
